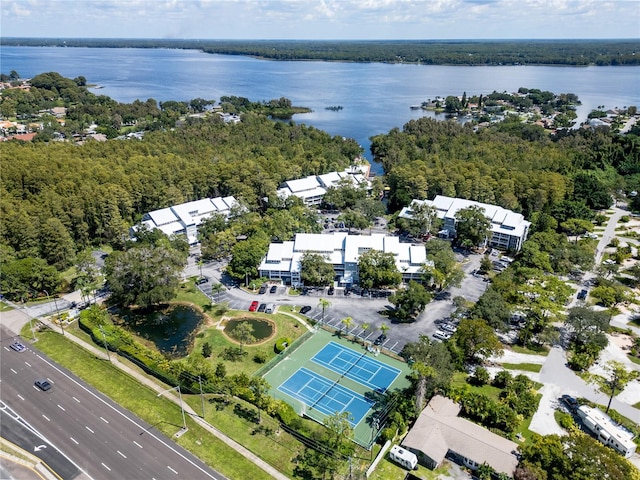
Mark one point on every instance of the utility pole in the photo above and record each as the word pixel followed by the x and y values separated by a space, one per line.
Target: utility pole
pixel 104 339
pixel 201 395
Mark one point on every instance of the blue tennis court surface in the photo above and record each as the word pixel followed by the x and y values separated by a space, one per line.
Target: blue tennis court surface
pixel 319 393
pixel 356 366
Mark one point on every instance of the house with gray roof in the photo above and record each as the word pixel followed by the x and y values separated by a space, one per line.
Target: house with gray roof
pixel 509 229
pixel 439 432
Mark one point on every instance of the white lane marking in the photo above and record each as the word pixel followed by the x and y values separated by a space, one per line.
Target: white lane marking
pixel 76 399
pixel 74 440
pixel 46 418
pixel 20 397
pixel 14 371
pixel 50 381
pixel 114 409
pixel 172 469
pixel 61 408
pixel 137 444
pixel 6 349
pixel 121 454
pixel 105 466
pixel 89 429
pixel 104 420
pixel 27 364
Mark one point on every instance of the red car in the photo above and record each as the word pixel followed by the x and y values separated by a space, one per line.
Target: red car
pixel 254 306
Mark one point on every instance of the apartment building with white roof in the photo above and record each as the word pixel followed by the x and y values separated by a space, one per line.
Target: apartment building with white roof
pixel 185 218
pixel 313 188
pixel 509 229
pixel 282 261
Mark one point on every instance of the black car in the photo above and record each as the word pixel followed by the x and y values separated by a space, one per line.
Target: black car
pixel 583 294
pixel 305 309
pixel 331 290
pixel 263 289
pixel 380 340
pixel 273 289
pixel 571 403
pixel 43 385
pixel 262 307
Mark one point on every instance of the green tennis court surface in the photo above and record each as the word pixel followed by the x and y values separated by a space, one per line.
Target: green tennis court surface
pixel 327 374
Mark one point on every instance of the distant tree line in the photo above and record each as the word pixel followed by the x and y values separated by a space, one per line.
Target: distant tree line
pixel 427 52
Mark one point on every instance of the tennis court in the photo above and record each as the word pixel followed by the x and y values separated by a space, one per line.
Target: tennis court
pixel 328 397
pixel 324 374
pixel 356 366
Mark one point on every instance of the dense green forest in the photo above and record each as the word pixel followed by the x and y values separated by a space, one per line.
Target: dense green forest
pixel 428 52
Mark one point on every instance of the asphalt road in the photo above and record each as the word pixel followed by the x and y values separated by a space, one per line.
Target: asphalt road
pixel 102 440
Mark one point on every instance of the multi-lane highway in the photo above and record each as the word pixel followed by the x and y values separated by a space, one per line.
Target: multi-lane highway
pixel 99 439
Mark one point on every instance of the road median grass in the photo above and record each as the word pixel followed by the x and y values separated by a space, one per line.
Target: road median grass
pixel 161 413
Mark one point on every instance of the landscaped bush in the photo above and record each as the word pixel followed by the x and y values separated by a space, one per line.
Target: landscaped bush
pixel 282 343
pixel 260 357
pixel 233 354
pixel 502 379
pixel 565 420
pixel 480 377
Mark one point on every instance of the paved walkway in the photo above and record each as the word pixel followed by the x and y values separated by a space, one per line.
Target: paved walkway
pixel 15 319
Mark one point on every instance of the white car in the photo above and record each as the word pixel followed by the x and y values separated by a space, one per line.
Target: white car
pixel 448 327
pixel 440 335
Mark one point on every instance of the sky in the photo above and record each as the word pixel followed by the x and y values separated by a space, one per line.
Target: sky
pixel 322 19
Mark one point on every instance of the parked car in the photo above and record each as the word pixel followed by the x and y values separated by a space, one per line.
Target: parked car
pixel 380 340
pixel 263 289
pixel 270 308
pixel 202 280
pixel 18 346
pixel 43 385
pixel 440 335
pixel 254 306
pixel 449 327
pixel 273 289
pixel 304 310
pixel 331 290
pixel 262 307
pixel 571 403
pixel 583 294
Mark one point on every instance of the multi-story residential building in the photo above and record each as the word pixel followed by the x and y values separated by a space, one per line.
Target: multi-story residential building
pixel 312 189
pixel 509 229
pixel 343 251
pixel 184 219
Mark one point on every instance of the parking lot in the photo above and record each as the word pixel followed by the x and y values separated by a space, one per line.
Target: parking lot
pixel 361 308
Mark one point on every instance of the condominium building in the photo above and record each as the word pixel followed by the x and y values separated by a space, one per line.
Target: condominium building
pixel 509 229
pixel 312 189
pixel 343 251
pixel 185 218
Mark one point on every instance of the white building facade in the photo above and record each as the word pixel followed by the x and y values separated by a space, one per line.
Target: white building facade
pixel 606 431
pixel 341 250
pixel 312 189
pixel 509 229
pixel 185 218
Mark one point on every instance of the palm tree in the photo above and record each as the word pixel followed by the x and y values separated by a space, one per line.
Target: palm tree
pixel 348 323
pixel 365 326
pixel 324 304
pixel 217 288
pixel 384 328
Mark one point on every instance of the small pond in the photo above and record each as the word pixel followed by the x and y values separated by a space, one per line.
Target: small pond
pixel 171 330
pixel 262 328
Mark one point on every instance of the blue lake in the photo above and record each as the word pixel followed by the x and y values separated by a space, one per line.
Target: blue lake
pixel 375 97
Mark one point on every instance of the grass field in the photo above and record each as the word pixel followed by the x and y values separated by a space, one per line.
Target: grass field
pixel 161 413
pixel 526 367
pixel 4 307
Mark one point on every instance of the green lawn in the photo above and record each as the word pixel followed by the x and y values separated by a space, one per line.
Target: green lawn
pixel 161 413
pixel 388 470
pixel 527 367
pixel 4 307
pixel 518 349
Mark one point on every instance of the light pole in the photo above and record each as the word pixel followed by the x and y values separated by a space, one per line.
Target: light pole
pixel 104 339
pixel 57 312
pixel 184 420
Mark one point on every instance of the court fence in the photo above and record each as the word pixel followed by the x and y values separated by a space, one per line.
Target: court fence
pixel 284 354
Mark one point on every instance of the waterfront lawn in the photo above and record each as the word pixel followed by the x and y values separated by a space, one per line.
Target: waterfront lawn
pixel 159 412
pixel 285 326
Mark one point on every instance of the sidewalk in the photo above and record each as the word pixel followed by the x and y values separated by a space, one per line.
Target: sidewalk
pixel 161 390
